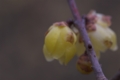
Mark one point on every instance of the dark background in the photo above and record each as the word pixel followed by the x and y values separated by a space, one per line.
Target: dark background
pixel 22 30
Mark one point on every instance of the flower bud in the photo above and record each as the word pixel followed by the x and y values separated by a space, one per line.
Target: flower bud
pixel 84 65
pixel 60 43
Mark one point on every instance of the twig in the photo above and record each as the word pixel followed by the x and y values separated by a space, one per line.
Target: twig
pixel 117 76
pixel 81 26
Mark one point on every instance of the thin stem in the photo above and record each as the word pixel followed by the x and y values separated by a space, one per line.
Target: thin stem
pixel 81 26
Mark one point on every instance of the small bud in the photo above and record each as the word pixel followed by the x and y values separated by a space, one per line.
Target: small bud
pixel 84 65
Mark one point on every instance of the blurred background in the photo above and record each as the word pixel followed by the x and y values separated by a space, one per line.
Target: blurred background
pixel 23 24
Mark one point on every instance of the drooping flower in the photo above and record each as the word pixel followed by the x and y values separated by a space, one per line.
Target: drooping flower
pixel 99 32
pixel 63 42
pixel 102 38
pixel 59 43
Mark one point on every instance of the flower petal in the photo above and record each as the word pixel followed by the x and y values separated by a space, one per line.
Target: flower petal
pixel 79 46
pixel 113 39
pixel 97 38
pixel 51 39
pixel 47 55
pixel 68 55
pixel 60 46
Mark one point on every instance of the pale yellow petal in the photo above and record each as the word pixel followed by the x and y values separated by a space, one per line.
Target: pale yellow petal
pixel 51 39
pixel 69 54
pixel 62 60
pixel 80 48
pixel 97 45
pixel 101 22
pixel 70 51
pixel 60 46
pixel 47 55
pixel 97 38
pixel 113 39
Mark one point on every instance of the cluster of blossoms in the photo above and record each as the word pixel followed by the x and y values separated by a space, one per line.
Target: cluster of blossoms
pixel 63 42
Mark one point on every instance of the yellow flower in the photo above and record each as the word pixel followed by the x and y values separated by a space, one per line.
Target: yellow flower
pixel 100 34
pixel 103 39
pixel 59 43
pixel 103 35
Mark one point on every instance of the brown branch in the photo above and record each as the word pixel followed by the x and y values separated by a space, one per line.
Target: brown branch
pixel 81 26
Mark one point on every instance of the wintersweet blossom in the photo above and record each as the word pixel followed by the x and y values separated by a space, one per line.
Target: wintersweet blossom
pixel 101 35
pixel 102 38
pixel 60 43
pixel 63 42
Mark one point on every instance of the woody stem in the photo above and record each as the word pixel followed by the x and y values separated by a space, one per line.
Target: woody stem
pixel 80 23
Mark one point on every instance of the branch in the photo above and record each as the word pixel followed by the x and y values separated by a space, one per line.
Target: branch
pixel 81 26
pixel 117 76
